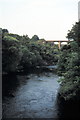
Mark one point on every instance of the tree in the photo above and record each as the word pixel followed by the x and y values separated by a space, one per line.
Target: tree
pixel 11 53
pixel 35 38
pixel 69 65
pixel 4 32
pixel 74 33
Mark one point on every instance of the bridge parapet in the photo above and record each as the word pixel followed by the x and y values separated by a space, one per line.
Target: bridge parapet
pixel 59 42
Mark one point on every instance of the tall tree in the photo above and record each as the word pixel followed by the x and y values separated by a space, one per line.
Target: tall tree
pixel 74 33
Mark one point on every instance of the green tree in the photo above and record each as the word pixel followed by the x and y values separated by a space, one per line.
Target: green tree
pixel 74 33
pixel 70 61
pixel 11 53
pixel 35 38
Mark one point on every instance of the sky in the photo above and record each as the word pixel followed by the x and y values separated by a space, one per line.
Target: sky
pixel 49 19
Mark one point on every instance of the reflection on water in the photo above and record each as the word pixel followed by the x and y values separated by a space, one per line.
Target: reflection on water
pixel 31 96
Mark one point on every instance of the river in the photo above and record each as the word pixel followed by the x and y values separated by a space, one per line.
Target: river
pixel 33 96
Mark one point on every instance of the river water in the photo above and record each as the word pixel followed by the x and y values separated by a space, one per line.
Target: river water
pixel 34 96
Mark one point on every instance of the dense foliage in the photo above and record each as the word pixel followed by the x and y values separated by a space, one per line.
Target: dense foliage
pixel 69 66
pixel 74 33
pixel 20 53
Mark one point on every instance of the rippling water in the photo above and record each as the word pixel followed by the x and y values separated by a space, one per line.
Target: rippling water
pixel 34 97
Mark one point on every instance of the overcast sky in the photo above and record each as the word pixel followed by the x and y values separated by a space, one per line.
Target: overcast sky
pixel 49 19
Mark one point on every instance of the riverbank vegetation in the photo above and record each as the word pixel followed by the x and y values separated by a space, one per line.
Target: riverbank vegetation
pixel 69 66
pixel 21 53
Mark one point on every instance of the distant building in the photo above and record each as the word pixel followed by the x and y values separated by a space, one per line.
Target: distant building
pixel 79 11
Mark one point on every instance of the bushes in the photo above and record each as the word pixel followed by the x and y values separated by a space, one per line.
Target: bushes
pixel 21 52
pixel 71 80
pixel 63 59
pixel 69 68
pixel 11 54
pixel 30 59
